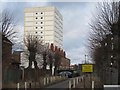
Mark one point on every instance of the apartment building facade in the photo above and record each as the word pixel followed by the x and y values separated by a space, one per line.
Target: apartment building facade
pixel 45 23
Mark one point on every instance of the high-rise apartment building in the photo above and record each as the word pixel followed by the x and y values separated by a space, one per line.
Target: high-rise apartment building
pixel 46 23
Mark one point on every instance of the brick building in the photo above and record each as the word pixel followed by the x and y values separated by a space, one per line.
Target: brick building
pixel 6 53
pixel 9 59
pixel 10 73
pixel 64 61
pixel 16 57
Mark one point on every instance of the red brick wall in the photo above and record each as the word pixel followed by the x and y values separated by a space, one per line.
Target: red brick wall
pixel 65 63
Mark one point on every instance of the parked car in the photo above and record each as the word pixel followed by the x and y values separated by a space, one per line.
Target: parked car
pixel 66 74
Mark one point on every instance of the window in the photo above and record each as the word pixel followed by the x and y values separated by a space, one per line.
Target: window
pixel 36 18
pixel 41 37
pixel 41 27
pixel 36 13
pixel 41 32
pixel 41 12
pixel 41 22
pixel 36 27
pixel 36 22
pixel 41 17
pixel 36 32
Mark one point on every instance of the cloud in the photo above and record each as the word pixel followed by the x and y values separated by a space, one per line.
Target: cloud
pixel 17 8
pixel 76 17
pixel 56 0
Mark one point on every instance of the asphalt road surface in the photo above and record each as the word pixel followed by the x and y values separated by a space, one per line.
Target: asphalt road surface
pixel 63 84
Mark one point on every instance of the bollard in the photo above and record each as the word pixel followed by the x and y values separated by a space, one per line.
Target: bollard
pixel 73 83
pixel 30 85
pixel 50 79
pixel 44 81
pixel 82 78
pixel 69 83
pixel 77 80
pixel 92 85
pixel 47 80
pixel 18 86
pixel 25 85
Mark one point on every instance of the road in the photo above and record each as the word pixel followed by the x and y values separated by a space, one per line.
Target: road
pixel 63 84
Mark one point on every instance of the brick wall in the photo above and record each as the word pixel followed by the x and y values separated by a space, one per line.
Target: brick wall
pixel 6 54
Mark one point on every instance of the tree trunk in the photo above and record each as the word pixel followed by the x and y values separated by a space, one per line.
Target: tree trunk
pixel 55 70
pixel 35 64
pixel 50 68
pixel 30 62
pixel 32 58
pixel 44 61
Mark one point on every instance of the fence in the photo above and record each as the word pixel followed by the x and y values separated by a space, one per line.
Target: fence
pixel 74 82
pixel 11 75
pixel 31 78
pixel 43 82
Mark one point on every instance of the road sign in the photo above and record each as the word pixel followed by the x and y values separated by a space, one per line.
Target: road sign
pixel 87 68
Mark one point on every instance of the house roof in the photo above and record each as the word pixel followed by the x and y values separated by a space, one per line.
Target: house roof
pixel 5 39
pixel 18 51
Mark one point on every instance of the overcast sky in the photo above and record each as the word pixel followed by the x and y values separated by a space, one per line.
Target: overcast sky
pixel 76 16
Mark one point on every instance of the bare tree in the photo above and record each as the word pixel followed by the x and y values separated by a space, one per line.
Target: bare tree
pixel 8 24
pixel 51 60
pixel 33 46
pixel 105 26
pixel 57 58
pixel 45 51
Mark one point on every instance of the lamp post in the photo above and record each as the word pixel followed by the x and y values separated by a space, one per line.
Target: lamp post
pixel 111 64
pixel 86 58
pixel 111 71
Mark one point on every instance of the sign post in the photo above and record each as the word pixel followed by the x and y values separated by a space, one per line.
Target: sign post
pixel 87 68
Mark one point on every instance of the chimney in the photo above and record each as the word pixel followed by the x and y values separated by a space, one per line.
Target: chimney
pixel 52 47
pixel 64 54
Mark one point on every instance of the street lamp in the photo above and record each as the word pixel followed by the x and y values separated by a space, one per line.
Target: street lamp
pixel 86 59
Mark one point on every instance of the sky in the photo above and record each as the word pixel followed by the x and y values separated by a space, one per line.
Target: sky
pixel 76 19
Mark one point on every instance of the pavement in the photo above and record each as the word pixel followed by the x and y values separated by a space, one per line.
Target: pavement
pixel 63 84
pixel 86 83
